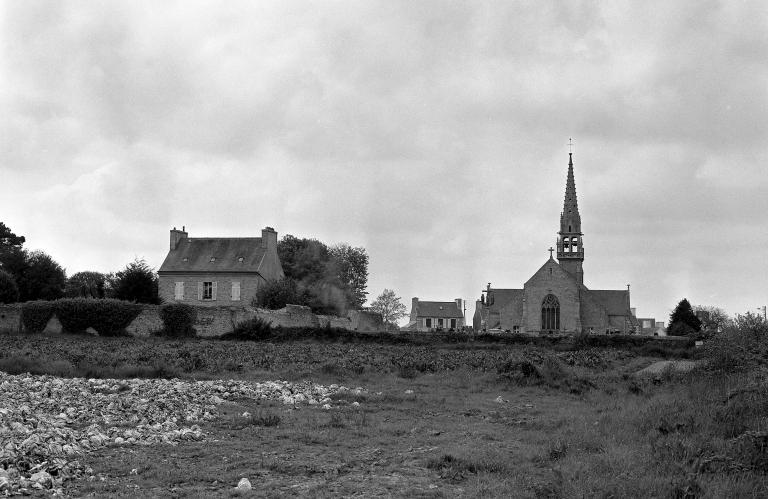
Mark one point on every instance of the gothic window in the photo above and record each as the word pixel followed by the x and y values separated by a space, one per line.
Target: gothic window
pixel 550 313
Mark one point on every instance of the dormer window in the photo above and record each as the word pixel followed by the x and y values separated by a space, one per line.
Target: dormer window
pixel 213 258
pixel 184 259
pixel 240 259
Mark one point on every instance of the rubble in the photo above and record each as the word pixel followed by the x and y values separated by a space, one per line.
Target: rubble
pixel 48 423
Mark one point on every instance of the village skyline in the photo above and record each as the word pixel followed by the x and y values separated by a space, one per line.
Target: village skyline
pixel 436 137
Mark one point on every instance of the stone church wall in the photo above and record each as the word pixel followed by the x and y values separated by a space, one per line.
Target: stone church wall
pixel 593 314
pixel 563 287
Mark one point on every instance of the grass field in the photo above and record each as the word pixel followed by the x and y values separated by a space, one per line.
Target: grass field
pixel 431 422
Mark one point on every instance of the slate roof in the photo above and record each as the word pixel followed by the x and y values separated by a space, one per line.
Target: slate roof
pixel 439 309
pixel 194 254
pixel 614 301
pixel 502 297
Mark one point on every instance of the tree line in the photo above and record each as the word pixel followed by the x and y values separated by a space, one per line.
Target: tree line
pixel 34 275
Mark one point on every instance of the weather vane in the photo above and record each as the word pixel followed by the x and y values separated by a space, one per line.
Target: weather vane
pixel 570 144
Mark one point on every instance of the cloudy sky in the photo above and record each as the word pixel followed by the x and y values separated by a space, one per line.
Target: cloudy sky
pixel 434 134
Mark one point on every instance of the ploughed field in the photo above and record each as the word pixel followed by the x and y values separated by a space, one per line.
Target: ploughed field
pixel 125 417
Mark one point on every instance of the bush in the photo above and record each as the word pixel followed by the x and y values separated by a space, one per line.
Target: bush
pixel 108 317
pixel 256 329
pixel 277 293
pixel 743 343
pixel 36 314
pixel 9 291
pixel 178 320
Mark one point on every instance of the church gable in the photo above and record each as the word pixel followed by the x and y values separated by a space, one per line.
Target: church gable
pixel 552 280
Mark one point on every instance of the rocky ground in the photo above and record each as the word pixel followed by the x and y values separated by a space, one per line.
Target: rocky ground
pixel 48 424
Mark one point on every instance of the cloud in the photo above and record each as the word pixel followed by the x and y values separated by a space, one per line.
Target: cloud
pixel 432 133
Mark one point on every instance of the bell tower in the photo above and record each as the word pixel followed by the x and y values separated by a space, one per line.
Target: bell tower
pixel 570 248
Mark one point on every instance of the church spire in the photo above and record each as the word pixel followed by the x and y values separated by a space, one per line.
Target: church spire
pixel 570 250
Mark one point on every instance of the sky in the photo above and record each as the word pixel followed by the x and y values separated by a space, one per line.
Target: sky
pixel 432 133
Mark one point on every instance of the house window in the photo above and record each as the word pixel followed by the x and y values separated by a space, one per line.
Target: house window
pixel 427 322
pixel 453 323
pixel 515 329
pixel 235 291
pixel 179 292
pixel 550 313
pixel 206 290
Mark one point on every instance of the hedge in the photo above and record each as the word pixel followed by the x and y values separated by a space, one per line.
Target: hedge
pixel 36 314
pixel 108 317
pixel 178 320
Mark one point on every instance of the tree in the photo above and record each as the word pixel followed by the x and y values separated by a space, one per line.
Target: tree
pixel 9 291
pixel 12 255
pixel 42 279
pixel 683 322
pixel 717 316
pixel 8 239
pixel 86 284
pixel 388 305
pixel 330 280
pixel 350 265
pixel 136 282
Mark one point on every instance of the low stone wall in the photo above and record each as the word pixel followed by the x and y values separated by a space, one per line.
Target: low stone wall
pixel 215 321
pixel 10 317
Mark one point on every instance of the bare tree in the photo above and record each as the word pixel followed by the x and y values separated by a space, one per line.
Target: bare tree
pixel 388 305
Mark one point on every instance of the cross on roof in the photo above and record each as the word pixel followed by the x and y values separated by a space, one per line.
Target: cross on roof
pixel 570 144
pixel 551 249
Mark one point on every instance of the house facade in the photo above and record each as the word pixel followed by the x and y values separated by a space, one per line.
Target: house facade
pixel 555 299
pixel 429 315
pixel 218 271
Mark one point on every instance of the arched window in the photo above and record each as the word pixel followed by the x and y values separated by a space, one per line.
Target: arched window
pixel 550 313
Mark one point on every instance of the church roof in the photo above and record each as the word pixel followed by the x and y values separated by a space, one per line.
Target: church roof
pixel 439 309
pixel 613 300
pixel 502 297
pixel 215 254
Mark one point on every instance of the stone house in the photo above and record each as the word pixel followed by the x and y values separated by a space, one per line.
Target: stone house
pixel 428 315
pixel 555 299
pixel 218 271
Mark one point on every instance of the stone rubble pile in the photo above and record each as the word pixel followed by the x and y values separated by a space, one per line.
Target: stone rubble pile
pixel 46 422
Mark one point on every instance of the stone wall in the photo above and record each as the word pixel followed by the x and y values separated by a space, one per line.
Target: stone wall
pixel 10 317
pixel 215 321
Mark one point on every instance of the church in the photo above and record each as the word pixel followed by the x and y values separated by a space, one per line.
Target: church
pixel 555 300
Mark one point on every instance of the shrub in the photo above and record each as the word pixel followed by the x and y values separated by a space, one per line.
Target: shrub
pixel 277 293
pixel 108 317
pixel 9 291
pixel 178 320
pixel 36 314
pixel 743 343
pixel 255 329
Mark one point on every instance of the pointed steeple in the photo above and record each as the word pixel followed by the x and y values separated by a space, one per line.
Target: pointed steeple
pixel 570 221
pixel 570 250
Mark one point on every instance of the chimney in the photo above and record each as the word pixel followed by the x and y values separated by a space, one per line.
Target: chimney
pixel 458 303
pixel 268 239
pixel 177 236
pixel 414 304
pixel 633 310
